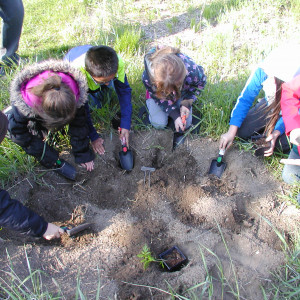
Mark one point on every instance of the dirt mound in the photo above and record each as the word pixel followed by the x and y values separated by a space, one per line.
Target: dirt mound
pixel 178 204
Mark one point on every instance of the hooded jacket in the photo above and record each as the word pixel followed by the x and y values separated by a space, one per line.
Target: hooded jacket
pixel 290 106
pixel 26 128
pixel 193 84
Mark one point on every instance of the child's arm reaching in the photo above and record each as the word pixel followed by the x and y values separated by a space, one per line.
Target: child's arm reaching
pixel 14 215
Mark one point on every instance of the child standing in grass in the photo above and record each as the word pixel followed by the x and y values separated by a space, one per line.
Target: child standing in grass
pixel 104 70
pixel 173 82
pixel 17 217
pixel 280 66
pixel 45 97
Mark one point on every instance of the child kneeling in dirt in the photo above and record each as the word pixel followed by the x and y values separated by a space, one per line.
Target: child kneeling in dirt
pixel 45 97
pixel 246 120
pixel 104 70
pixel 173 81
pixel 17 217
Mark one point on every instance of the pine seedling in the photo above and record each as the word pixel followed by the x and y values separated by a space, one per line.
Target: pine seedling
pixel 147 257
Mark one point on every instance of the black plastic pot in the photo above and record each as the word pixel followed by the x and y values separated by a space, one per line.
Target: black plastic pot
pixel 173 259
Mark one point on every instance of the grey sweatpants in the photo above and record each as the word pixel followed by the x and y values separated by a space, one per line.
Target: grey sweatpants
pixel 159 119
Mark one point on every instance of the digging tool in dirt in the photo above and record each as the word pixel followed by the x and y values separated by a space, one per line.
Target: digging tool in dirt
pixel 126 157
pixel 179 137
pixel 218 166
pixel 146 170
pixel 75 230
pixel 65 169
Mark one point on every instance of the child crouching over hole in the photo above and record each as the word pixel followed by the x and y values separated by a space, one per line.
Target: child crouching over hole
pixel 44 98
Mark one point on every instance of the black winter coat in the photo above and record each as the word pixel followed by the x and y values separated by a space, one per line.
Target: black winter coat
pixel 26 129
pixel 17 217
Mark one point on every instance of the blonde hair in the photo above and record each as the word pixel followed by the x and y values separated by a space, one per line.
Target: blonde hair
pixel 168 72
pixel 58 103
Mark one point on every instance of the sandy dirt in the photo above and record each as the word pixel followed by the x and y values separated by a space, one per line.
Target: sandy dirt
pixel 182 205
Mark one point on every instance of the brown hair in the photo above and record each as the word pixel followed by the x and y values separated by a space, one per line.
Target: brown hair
pixel 168 72
pixel 274 108
pixel 58 106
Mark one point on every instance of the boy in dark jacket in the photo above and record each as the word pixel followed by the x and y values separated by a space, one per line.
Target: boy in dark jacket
pixel 17 217
pixel 104 70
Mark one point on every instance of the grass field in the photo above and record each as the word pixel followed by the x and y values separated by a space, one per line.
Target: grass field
pixel 226 37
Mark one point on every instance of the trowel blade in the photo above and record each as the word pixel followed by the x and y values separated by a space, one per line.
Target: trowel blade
pixel 78 228
pixel 217 168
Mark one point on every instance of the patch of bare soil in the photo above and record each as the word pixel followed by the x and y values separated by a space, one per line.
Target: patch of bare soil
pixel 181 205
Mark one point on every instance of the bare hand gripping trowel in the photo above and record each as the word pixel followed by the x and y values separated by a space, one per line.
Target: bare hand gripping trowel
pixel 74 230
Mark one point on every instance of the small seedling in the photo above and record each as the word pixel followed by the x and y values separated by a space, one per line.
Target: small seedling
pixel 147 257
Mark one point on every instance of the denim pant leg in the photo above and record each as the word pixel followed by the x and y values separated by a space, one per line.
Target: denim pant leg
pixel 255 120
pixel 12 13
pixel 291 173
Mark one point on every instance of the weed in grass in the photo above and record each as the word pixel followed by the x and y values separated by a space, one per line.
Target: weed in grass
pixel 147 257
pixel 13 287
pixel 13 161
pixel 127 39
pixel 170 27
pixel 195 26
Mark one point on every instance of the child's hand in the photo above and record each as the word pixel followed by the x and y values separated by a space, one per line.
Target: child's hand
pixel 184 111
pixel 228 137
pixel 53 232
pixel 98 146
pixel 88 165
pixel 124 134
pixel 178 124
pixel 272 138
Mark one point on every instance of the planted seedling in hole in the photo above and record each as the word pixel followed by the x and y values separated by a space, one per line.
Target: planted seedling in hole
pixel 147 257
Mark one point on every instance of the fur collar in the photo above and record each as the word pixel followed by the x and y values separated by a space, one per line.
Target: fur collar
pixel 30 71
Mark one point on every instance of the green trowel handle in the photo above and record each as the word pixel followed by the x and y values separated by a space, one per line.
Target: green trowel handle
pixel 220 157
pixel 219 160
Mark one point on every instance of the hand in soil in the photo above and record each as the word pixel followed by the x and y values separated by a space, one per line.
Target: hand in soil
pixel 53 232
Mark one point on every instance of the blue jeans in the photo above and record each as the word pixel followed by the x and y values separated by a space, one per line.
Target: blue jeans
pixel 12 13
pixel 291 173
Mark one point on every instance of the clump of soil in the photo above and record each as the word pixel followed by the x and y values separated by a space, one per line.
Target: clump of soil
pixel 178 204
